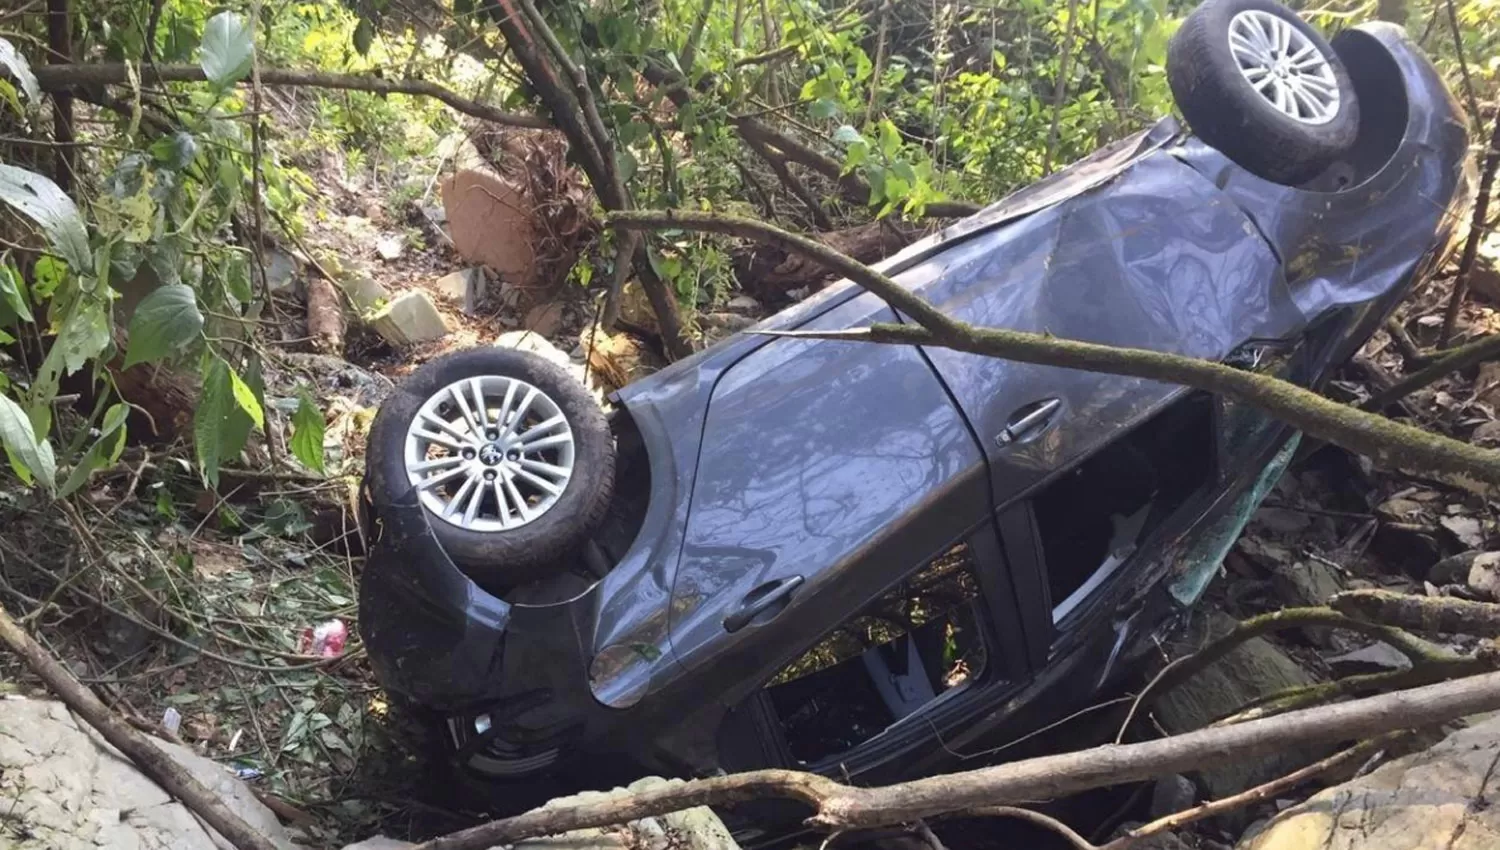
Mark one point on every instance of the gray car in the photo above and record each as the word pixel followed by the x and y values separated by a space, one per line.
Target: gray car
pixel 872 560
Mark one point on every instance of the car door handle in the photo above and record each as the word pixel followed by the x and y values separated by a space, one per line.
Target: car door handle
pixel 1029 420
pixel 771 595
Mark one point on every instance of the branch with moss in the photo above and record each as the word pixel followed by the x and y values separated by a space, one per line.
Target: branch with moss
pixel 1322 693
pixel 1388 443
pixel 1420 613
pixel 63 77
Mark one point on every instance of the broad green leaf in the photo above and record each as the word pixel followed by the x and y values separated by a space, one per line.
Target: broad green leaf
pixel 228 49
pixel 30 457
pixel 164 322
pixel 245 398
pixel 13 292
pixel 47 276
pixel 307 434
pixel 39 199
pixel 12 61
pixel 176 151
pixel 364 36
pixel 216 408
pixel 105 450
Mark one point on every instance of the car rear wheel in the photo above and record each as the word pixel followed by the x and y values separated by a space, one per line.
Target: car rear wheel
pixel 511 458
pixel 1260 84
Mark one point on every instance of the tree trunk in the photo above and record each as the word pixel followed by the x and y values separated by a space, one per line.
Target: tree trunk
pixel 768 273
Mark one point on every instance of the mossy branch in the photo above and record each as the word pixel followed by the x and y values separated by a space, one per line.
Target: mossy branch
pixel 1390 444
pixel 1420 613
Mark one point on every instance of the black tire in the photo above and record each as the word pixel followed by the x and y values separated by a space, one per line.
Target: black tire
pixel 1225 110
pixel 500 560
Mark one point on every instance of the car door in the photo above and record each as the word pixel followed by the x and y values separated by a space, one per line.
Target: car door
pixel 1157 258
pixel 827 471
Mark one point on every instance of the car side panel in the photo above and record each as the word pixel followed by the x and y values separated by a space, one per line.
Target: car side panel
pixel 1159 259
pixel 823 460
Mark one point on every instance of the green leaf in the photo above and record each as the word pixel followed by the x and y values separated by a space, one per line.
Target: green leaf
pixel 165 320
pixel 84 335
pixel 12 61
pixel 13 292
pixel 307 434
pixel 39 199
pixel 105 450
pixel 29 457
pixel 216 408
pixel 228 49
pixel 847 135
pixel 245 398
pixel 364 36
pixel 47 276
pixel 175 152
pixel 625 164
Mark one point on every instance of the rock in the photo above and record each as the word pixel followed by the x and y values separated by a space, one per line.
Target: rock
pixel 1487 435
pixel 281 269
pixel 1375 658
pixel 1172 794
pixel 467 287
pixel 492 223
pixel 66 789
pixel 692 829
pixel 636 309
pixel 745 304
pixel 1400 510
pixel 545 319
pixel 1252 670
pixel 538 345
pixel 1466 529
pixel 1484 277
pixel 410 318
pixel 1308 583
pixel 1453 569
pixel 717 326
pixel 365 293
pixel 1484 575
pixel 1160 841
pixel 1437 798
pixel 390 247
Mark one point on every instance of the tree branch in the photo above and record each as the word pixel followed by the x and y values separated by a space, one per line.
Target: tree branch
pixel 1471 354
pixel 1420 613
pixel 57 78
pixel 789 180
pixel 840 807
pixel 1476 229
pixel 147 756
pixel 1388 443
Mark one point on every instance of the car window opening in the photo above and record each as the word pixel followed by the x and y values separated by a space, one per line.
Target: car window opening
pixel 919 641
pixel 1093 518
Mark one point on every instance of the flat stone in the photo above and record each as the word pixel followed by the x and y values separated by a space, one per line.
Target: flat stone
pixel 545 319
pixel 1306 584
pixel 1439 798
pixel 744 304
pixel 467 287
pixel 410 318
pixel 1375 658
pixel 1172 794
pixel 281 270
pixel 365 293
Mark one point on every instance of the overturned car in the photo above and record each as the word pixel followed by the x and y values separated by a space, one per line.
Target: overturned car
pixel 871 560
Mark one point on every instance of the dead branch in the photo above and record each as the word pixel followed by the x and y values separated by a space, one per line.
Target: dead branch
pixel 1410 353
pixel 152 761
pixel 789 180
pixel 1476 226
pixel 57 78
pixel 59 54
pixel 1458 359
pixel 1463 62
pixel 1420 613
pixel 840 807
pixel 1060 87
pixel 1033 817
pixel 1388 443
pixel 1251 796
pixel 1304 696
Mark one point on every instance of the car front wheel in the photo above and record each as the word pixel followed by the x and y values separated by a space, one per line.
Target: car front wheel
pixel 1263 87
pixel 509 455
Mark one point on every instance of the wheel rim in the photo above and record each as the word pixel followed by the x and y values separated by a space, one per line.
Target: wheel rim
pixel 1284 67
pixel 489 453
pixel 498 757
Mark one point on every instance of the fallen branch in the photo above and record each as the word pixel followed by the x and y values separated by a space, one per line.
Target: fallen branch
pixel 1321 693
pixel 841 807
pixel 1251 796
pixel 61 77
pixel 1388 443
pixel 151 759
pixel 1420 613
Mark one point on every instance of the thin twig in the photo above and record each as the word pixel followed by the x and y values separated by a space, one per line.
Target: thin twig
pixel 1463 63
pixel 1060 87
pixel 1033 817
pixel 1454 360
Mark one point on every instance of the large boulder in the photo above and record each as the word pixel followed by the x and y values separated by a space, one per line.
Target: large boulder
pixel 491 219
pixel 1440 798
pixel 65 788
